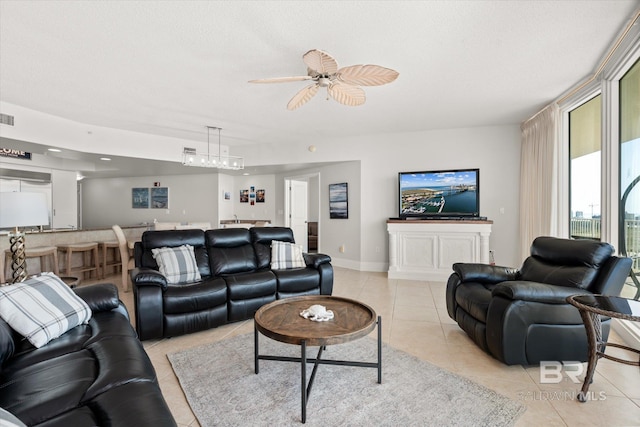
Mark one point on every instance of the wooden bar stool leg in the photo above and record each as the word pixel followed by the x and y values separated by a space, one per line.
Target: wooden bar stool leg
pixel 104 261
pixel 69 251
pixel 99 270
pixel 56 269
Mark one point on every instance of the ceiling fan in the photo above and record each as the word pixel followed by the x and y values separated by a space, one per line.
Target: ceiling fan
pixel 342 84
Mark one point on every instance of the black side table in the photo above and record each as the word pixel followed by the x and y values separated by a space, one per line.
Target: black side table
pixel 591 307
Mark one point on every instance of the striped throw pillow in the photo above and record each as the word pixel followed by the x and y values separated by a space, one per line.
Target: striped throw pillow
pixel 286 255
pixel 42 308
pixel 178 265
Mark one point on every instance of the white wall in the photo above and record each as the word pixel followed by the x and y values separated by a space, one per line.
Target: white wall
pixel 225 207
pixel 258 211
pixel 495 150
pixel 192 198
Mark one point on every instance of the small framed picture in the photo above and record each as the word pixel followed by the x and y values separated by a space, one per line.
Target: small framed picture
pixel 260 196
pixel 140 198
pixel 160 197
pixel 244 196
pixel 339 201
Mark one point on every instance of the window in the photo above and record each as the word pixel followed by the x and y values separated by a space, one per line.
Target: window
pixel 629 223
pixel 585 148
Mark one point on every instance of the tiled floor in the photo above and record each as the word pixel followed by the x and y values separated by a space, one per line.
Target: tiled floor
pixel 415 320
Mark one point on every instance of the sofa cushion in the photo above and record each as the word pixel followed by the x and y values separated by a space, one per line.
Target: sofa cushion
pixel 39 391
pixel 298 281
pixel 230 251
pixel 194 297
pixel 539 270
pixel 178 265
pixel 286 255
pixel 42 308
pixel 474 298
pixel 565 262
pixel 171 239
pixel 262 238
pixel 251 285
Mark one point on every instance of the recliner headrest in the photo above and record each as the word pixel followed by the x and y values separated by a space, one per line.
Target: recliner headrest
pixel 571 252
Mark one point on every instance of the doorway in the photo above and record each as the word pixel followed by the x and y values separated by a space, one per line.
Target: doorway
pixel 302 205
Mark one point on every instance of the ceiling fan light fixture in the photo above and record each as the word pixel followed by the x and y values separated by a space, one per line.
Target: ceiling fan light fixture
pixel 343 84
pixel 324 81
pixel 190 156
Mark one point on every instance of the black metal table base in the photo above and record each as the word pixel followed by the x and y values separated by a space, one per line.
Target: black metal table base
pixel 305 388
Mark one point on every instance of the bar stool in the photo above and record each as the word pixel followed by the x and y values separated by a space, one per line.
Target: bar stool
pixel 36 252
pixel 115 261
pixel 89 251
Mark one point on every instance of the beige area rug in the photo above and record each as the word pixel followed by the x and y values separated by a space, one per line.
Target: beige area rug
pixel 220 384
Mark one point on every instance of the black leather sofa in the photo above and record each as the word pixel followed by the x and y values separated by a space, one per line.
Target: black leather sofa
pixel 234 264
pixel 96 374
pixel 520 316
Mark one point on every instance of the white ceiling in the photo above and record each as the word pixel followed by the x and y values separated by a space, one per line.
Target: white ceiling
pixel 172 67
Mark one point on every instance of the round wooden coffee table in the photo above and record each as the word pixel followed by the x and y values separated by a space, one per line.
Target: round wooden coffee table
pixel 591 307
pixel 281 321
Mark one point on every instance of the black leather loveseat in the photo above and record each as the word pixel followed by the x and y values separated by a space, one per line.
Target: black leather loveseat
pixel 96 374
pixel 236 279
pixel 520 316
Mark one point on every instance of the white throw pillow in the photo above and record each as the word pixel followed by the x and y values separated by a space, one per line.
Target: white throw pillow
pixel 286 255
pixel 178 265
pixel 42 308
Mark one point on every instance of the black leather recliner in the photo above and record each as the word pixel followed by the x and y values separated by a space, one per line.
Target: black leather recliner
pixel 521 316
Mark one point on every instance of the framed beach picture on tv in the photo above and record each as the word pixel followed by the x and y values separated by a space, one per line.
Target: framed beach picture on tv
pixel 339 201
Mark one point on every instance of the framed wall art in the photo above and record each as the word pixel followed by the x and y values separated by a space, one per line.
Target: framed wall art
pixel 160 197
pixel 140 198
pixel 338 201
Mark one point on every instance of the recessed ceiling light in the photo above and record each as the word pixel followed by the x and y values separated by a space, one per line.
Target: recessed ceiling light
pixel 246 174
pixel 55 150
pixel 106 159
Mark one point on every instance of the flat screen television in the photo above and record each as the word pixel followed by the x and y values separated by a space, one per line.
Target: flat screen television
pixel 439 194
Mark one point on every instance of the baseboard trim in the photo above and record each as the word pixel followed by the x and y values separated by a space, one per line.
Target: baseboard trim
pixel 377 267
pixel 628 331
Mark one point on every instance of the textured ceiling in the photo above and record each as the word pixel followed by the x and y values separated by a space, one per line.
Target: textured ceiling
pixel 172 67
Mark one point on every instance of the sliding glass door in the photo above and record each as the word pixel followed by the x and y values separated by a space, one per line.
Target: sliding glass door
pixel 585 152
pixel 629 222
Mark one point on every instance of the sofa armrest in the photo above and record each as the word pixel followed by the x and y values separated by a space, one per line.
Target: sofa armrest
pixel 484 273
pixel 536 292
pixel 316 260
pixel 99 297
pixel 148 277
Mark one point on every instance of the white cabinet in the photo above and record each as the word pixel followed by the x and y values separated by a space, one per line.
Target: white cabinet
pixel 426 250
pixel 64 194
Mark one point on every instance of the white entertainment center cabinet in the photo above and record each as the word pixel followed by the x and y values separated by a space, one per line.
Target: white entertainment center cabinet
pixel 426 249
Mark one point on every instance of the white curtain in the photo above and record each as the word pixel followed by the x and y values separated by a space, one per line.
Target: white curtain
pixel 539 177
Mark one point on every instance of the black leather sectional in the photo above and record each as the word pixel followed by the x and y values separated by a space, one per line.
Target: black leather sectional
pixel 234 264
pixel 96 374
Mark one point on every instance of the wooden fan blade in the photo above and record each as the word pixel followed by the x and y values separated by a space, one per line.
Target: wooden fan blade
pixel 282 79
pixel 303 96
pixel 320 62
pixel 366 75
pixel 347 94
